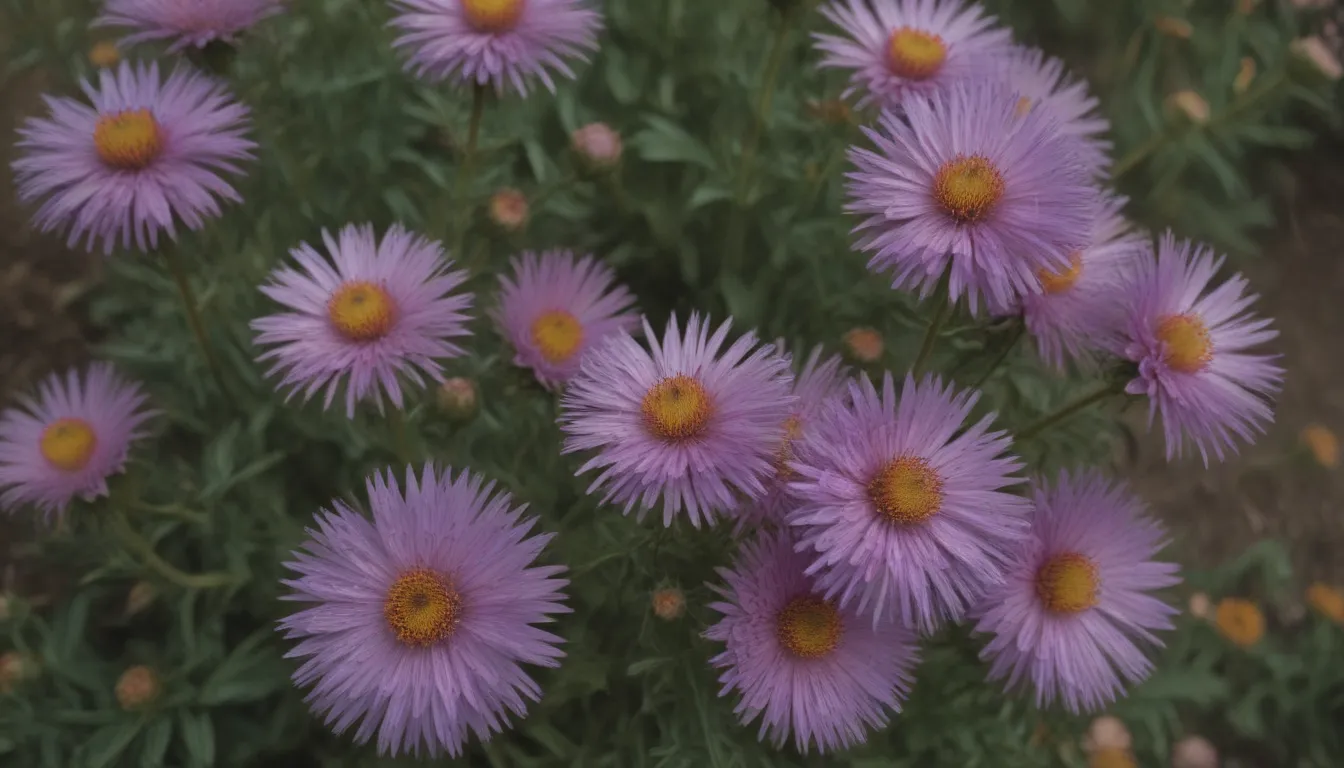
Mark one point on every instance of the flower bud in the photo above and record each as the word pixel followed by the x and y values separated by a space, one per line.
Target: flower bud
pixel 1322 443
pixel 598 145
pixel 863 345
pixel 669 603
pixel 1244 75
pixel 1194 752
pixel 142 593
pixel 456 398
pixel 508 210
pixel 137 687
pixel 104 54
pixel 16 667
pixel 1190 104
pixel 1200 605
pixel 1107 732
pixel 1173 27
pixel 1315 52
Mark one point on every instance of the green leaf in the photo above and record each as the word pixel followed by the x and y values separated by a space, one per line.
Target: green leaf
pixel 108 743
pixel 198 734
pixel 252 671
pixel 666 142
pixel 155 743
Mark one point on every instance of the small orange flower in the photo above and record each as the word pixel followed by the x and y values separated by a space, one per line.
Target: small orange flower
pixel 1240 621
pixel 1327 600
pixel 669 603
pixel 1322 443
pixel 1112 757
pixel 1245 74
pixel 104 54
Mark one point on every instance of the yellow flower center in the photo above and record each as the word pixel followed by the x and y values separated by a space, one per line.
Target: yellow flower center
pixel 677 408
pixel 968 187
pixel 557 335
pixel 907 490
pixel 808 627
pixel 493 15
pixel 129 140
pixel 67 444
pixel 1186 340
pixel 1058 282
pixel 915 54
pixel 362 311
pixel 1067 583
pixel 1024 105
pixel 422 608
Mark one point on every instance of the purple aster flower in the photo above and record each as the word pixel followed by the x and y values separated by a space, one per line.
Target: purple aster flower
pixel 145 152
pixel 904 507
pixel 902 48
pixel 965 183
pixel 801 662
pixel 1076 607
pixel 553 310
pixel 68 440
pixel 378 313
pixel 687 425
pixel 419 620
pixel 1079 308
pixel 815 384
pixel 502 43
pixel 1190 347
pixel 1041 82
pixel 193 23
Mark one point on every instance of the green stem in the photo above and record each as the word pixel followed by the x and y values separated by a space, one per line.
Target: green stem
pixel 466 171
pixel 401 437
pixel 193 312
pixel 1015 335
pixel 1097 395
pixel 940 314
pixel 732 252
pixel 134 542
pixel 175 510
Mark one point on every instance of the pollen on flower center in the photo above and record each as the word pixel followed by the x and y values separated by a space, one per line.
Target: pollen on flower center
pixel 915 54
pixel 968 187
pixel 677 408
pixel 67 444
pixel 557 334
pixel 1058 282
pixel 1186 342
pixel 493 15
pixel 1067 583
pixel 422 608
pixel 907 490
pixel 362 311
pixel 808 627
pixel 128 140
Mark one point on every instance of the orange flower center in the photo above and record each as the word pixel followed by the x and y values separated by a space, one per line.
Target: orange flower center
pixel 808 627
pixel 493 15
pixel 68 444
pixel 907 490
pixel 1067 583
pixel 362 311
pixel 915 54
pixel 677 408
pixel 1058 282
pixel 557 335
pixel 128 140
pixel 1188 347
pixel 422 608
pixel 968 187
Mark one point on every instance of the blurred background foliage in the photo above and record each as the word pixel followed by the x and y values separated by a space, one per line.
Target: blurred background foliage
pixel 725 202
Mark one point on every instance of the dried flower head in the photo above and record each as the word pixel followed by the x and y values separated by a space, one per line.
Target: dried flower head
pixel 669 603
pixel 863 345
pixel 137 687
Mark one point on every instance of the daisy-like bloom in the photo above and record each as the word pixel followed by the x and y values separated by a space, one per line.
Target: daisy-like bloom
pixel 966 183
pixel 553 309
pixel 146 152
pixel 500 43
pixel 897 49
pixel 903 505
pixel 1075 613
pixel 686 424
pixel 185 24
pixel 1077 309
pixel 1191 343
pixel 68 440
pixel 815 384
pixel 1041 82
pixel 377 313
pixel 801 662
pixel 419 621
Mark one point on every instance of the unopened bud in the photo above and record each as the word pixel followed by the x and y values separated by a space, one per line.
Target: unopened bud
pixel 137 687
pixel 456 398
pixel 1200 605
pixel 1190 104
pixel 598 145
pixel 1245 74
pixel 104 54
pixel 863 345
pixel 669 603
pixel 508 210
pixel 1107 732
pixel 142 593
pixel 1173 27
pixel 1194 752
pixel 1315 52
pixel 1246 7
pixel 15 667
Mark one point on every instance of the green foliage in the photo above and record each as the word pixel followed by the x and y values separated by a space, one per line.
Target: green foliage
pixel 708 212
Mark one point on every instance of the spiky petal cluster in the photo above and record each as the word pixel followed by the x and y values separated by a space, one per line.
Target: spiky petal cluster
pixel 1076 609
pixel 378 312
pixel 1043 83
pixel 416 623
pixel 963 183
pixel 185 24
pixel 805 666
pixel 1192 346
pixel 902 505
pixel 146 154
pixel 686 425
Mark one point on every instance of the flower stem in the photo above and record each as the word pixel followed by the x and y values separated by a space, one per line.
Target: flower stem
pixel 1095 396
pixel 943 308
pixel 134 542
pixel 466 171
pixel 401 438
pixel 193 312
pixel 1008 345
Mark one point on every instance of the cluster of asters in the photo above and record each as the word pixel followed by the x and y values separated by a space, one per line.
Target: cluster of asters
pixel 869 513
